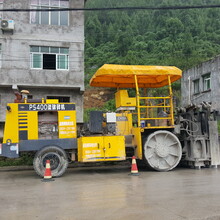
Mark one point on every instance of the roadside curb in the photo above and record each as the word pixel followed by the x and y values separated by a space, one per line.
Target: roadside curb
pixel 76 165
pixel 16 168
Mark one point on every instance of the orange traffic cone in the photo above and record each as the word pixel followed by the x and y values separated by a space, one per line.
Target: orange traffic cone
pixel 134 169
pixel 47 173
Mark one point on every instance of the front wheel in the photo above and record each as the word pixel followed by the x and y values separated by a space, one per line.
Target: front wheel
pixel 58 161
pixel 162 150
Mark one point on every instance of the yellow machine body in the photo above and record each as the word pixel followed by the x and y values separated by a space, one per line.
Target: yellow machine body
pixel 23 121
pixel 123 100
pixel 49 127
pixel 11 124
pixel 124 123
pixel 141 113
pixel 101 148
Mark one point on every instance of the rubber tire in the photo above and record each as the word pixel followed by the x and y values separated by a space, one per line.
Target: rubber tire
pixel 59 153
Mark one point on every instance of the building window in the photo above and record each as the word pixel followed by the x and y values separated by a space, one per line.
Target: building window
pixel 52 58
pixel 1 7
pixel 60 98
pixel 206 82
pixel 49 17
pixel 0 55
pixel 196 86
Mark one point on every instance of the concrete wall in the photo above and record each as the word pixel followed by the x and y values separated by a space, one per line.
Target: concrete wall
pixel 16 70
pixel 212 95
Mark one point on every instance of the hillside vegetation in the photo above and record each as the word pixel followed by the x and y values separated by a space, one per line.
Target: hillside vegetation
pixel 182 38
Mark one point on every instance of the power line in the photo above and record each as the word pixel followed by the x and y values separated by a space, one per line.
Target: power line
pixel 114 9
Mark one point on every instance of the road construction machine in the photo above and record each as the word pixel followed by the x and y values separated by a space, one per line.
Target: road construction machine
pixel 142 125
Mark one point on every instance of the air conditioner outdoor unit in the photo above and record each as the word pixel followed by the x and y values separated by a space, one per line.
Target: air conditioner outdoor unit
pixel 7 25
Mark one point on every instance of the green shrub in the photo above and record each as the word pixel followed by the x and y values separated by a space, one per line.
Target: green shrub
pixel 24 159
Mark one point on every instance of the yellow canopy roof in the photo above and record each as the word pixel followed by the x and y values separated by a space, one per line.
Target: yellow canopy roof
pixel 122 76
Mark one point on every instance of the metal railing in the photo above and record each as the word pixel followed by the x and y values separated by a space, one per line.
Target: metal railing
pixel 151 114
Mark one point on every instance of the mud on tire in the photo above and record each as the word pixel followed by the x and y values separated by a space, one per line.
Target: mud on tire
pixel 58 161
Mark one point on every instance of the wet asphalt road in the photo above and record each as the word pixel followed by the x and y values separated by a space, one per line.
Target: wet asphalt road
pixel 110 193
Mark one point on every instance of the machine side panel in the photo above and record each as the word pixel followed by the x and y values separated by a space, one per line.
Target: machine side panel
pixel 95 121
pixel 32 125
pixel 10 151
pixel 101 148
pixel 124 123
pixel 90 149
pixel 114 148
pixel 67 124
pixel 34 145
pixel 123 100
pixel 214 143
pixel 138 142
pixel 11 124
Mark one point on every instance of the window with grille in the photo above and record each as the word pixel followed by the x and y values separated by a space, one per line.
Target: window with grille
pixel 49 17
pixel 55 58
pixel 1 7
pixel 206 81
pixel 0 55
pixel 196 86
pixel 60 98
